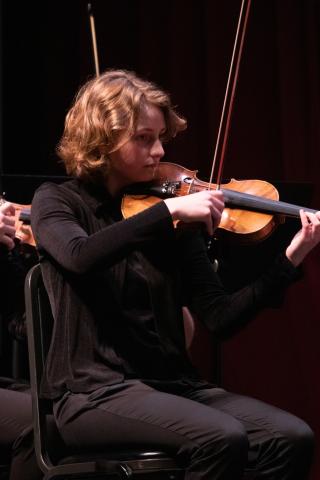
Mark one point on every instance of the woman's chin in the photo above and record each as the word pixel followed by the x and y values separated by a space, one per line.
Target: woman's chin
pixel 150 173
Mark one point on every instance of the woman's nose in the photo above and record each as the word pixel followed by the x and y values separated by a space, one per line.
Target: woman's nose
pixel 157 149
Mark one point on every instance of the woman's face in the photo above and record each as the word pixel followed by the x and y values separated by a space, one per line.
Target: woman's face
pixel 137 160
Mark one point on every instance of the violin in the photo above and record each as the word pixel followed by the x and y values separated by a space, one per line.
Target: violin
pixel 252 207
pixel 22 223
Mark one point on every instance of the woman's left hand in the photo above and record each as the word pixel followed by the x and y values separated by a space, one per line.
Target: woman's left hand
pixel 306 239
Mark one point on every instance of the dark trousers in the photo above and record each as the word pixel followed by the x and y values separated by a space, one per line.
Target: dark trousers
pixel 16 435
pixel 217 434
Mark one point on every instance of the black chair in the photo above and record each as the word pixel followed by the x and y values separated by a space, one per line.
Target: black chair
pixel 60 461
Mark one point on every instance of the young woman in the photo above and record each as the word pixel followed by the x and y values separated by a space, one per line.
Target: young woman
pixel 117 287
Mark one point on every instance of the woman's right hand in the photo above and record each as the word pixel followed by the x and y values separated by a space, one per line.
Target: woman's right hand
pixel 205 206
pixel 7 225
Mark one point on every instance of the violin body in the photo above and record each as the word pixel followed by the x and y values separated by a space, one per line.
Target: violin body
pixel 245 224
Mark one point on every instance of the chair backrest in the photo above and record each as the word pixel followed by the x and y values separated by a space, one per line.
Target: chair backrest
pixel 39 330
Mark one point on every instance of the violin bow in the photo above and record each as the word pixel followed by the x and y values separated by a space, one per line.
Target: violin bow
pixel 225 120
pixel 94 39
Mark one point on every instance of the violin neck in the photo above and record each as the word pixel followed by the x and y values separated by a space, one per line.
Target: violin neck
pixel 255 203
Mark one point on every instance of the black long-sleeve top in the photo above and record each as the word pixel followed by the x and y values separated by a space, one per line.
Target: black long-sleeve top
pixel 117 288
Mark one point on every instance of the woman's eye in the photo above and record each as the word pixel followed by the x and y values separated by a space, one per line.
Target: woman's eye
pixel 144 138
pixel 148 139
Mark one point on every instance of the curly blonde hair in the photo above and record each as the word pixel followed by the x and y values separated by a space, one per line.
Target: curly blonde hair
pixel 104 116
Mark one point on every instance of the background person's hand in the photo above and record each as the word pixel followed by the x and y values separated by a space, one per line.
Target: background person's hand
pixel 7 225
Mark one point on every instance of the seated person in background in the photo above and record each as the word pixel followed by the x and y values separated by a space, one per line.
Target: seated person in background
pixel 16 258
pixel 117 288
pixel 16 439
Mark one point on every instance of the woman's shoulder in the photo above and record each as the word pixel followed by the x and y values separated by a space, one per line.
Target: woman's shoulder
pixel 71 185
pixel 51 190
pixel 73 194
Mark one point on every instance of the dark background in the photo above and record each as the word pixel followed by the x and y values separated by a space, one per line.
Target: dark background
pixel 185 46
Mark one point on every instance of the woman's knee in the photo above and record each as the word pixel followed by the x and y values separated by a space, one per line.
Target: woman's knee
pixel 302 439
pixel 292 450
pixel 229 440
pixel 236 441
pixel 223 454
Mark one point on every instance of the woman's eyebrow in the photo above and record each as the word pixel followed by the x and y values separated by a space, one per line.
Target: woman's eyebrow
pixel 149 129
